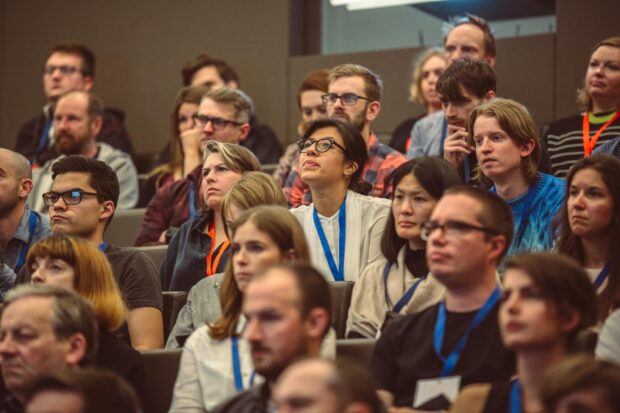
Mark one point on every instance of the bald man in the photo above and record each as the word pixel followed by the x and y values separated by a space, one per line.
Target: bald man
pixel 19 226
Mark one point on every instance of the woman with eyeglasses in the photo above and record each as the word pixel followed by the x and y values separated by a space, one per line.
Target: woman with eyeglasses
pixel 343 225
pixel 547 300
pixel 200 247
pixel 504 136
pixel 590 225
pixel 400 283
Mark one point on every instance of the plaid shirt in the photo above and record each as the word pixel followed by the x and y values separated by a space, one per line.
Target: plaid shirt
pixel 382 161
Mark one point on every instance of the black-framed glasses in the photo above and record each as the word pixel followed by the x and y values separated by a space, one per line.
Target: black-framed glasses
pixel 217 123
pixel 65 70
pixel 452 229
pixel 347 99
pixel 321 145
pixel 70 197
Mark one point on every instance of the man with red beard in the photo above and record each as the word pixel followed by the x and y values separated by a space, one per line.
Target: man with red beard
pixel 354 95
pixel 77 122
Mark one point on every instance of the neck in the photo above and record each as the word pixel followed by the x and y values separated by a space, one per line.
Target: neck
pixel 9 223
pixel 96 237
pixel 432 109
pixel 416 244
pixel 596 251
pixel 472 296
pixel 366 132
pixel 90 150
pixel 328 200
pixel 604 105
pixel 511 186
pixel 531 368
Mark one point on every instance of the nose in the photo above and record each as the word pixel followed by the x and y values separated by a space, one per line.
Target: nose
pixel 578 200
pixel 240 257
pixel 456 54
pixel 253 331
pixel 208 127
pixel 7 347
pixel 448 109
pixel 512 303
pixel 406 206
pixel 485 145
pixel 37 277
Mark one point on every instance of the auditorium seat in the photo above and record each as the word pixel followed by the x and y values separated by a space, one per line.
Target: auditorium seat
pixel 173 303
pixel 359 349
pixel 341 299
pixel 124 227
pixel 161 367
pixel 157 253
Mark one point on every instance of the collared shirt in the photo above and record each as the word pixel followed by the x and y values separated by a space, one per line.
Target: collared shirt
pixel 382 161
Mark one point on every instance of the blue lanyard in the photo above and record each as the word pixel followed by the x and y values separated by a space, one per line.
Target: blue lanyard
pixel 103 247
pixel 406 297
pixel 449 363
pixel 444 134
pixel 528 200
pixel 32 223
pixel 237 366
pixel 515 398
pixel 602 276
pixel 192 200
pixel 45 135
pixel 337 272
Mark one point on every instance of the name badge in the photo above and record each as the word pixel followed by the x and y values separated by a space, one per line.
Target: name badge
pixel 429 389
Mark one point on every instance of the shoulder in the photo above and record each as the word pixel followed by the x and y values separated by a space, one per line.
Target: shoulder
pixel 369 204
pixel 415 324
pixel 109 154
pixel 199 339
pixel 301 211
pixel 250 401
pixel 207 286
pixel 564 125
pixel 128 256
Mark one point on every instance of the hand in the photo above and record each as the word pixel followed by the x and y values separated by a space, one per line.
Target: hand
pixel 455 147
pixel 190 140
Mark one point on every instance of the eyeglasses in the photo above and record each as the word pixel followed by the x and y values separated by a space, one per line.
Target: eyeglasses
pixel 64 69
pixel 321 145
pixel 347 99
pixel 71 197
pixel 452 229
pixel 216 123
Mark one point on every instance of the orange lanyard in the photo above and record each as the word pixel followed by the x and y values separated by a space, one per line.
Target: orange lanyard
pixel 589 144
pixel 212 264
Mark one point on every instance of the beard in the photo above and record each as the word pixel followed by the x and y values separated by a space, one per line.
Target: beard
pixel 357 121
pixel 67 144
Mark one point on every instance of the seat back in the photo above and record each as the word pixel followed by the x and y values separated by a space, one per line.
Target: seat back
pixel 341 299
pixel 173 302
pixel 156 253
pixel 358 349
pixel 124 227
pixel 161 367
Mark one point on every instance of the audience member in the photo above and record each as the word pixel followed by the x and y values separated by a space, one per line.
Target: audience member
pixel 77 121
pixel 184 149
pixel 422 359
pixel 288 312
pixel 590 225
pixel 354 97
pixel 582 384
pixel 319 385
pixel 428 66
pixel 42 329
pixel 82 203
pixel 20 227
pixel 547 300
pixel 311 106
pixel 200 247
pixel 400 283
pixel 507 148
pixel 222 116
pixel 608 343
pixel 252 190
pixel 76 264
pixel 81 391
pixel 343 225
pixel 262 237
pixel 575 137
pixel 69 66
pixel 214 73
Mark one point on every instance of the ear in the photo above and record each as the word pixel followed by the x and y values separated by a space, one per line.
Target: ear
pixel 317 323
pixel 107 210
pixel 88 83
pixel 527 148
pixel 490 95
pixel 490 60
pixel 244 131
pixel 289 255
pixel 95 125
pixel 77 349
pixel 350 168
pixel 498 246
pixel 25 187
pixel 233 85
pixel 372 111
pixel 571 322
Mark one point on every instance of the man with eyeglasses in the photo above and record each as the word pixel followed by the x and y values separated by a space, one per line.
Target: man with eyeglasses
pixel 422 360
pixel 77 122
pixel 224 116
pixel 69 66
pixel 354 96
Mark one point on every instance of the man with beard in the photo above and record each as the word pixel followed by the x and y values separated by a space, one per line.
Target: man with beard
pixel 20 227
pixel 288 314
pixel 77 122
pixel 354 95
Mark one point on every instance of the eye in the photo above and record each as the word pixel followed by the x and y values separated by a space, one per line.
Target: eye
pixel 307 112
pixel 398 197
pixel 450 48
pixel 594 193
pixel 419 199
pixel 205 172
pixel 235 248
pixel 497 138
pixel 478 140
pixel 222 168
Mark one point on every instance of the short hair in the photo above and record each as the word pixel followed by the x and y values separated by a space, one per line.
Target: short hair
pixel 101 391
pixel 479 22
pixel 19 164
pixel 581 373
pixel 351 382
pixel 224 70
pixel 563 282
pixel 608 167
pixel 236 157
pixel 373 86
pixel 315 80
pixel 494 212
pixel 355 149
pixel 93 277
pixel 583 97
pixel 435 175
pixel 415 91
pixel 80 50
pixel 241 103
pixel 474 76
pixel 515 120
pixel 70 314
pixel 94 105
pixel 285 231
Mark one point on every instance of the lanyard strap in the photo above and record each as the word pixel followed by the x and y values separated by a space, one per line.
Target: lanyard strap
pixel 406 297
pixel 337 272
pixel 602 276
pixel 213 263
pixel 236 362
pixel 515 397
pixel 444 133
pixel 589 144
pixel 32 223
pixel 45 135
pixel 449 363
pixel 103 247
pixel 192 200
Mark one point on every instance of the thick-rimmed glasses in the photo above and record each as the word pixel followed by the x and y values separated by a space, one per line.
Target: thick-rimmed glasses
pixel 65 70
pixel 452 229
pixel 347 99
pixel 321 145
pixel 216 123
pixel 71 197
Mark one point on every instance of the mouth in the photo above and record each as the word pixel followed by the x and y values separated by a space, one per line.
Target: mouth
pixel 514 326
pixel 57 219
pixel 437 257
pixel 310 164
pixel 487 161
pixel 596 83
pixel 456 122
pixel 212 190
pixel 407 224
